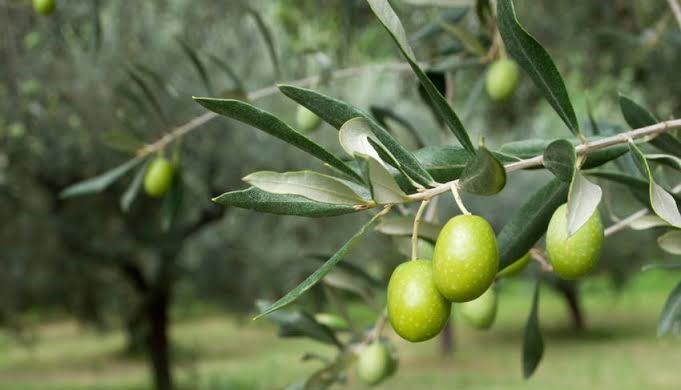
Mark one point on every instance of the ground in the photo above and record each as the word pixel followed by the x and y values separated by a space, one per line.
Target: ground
pixel 619 351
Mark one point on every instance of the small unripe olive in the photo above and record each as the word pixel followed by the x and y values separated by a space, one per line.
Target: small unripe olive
pixel 307 120
pixel 158 177
pixel 44 7
pixel 481 311
pixel 466 258
pixel 577 255
pixel 516 267
pixel 417 311
pixel 332 321
pixel 502 79
pixel 374 363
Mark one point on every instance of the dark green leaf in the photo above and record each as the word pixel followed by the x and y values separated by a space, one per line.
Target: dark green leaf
pixel 450 15
pixel 483 9
pixel 198 65
pixel 265 202
pixel 537 62
pixel 313 279
pixel 484 174
pixel 267 36
pixel 329 375
pixel 101 182
pixel 133 189
pixel 595 129
pixel 392 23
pixel 528 224
pixel 336 113
pixel 638 116
pixel 560 158
pixel 534 147
pixel 148 94
pixel 383 114
pixel 533 343
pixel 670 319
pixel 272 125
pixel 229 71
pixel 404 226
pixel 297 323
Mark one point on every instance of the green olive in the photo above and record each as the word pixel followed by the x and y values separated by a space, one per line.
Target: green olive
pixel 374 363
pixel 417 311
pixel 481 311
pixel 466 258
pixel 44 7
pixel 502 79
pixel 516 267
pixel 307 120
pixel 158 178
pixel 574 256
pixel 332 321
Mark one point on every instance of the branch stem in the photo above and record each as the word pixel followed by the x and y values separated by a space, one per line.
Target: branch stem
pixel 458 200
pixel 415 234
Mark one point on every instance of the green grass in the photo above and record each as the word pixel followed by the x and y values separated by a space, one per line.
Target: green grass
pixel 620 350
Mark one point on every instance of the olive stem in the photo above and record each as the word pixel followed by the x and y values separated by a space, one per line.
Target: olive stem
pixel 457 198
pixel 415 233
pixel 541 259
pixel 626 222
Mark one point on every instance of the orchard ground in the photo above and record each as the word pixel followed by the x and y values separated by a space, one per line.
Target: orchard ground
pixel 619 351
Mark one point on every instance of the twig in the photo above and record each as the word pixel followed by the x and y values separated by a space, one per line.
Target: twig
pixel 415 234
pixel 676 10
pixel 580 149
pixel 458 200
pixel 541 259
pixel 626 222
pixel 197 122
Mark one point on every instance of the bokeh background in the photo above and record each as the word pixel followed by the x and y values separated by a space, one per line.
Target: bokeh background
pixel 84 286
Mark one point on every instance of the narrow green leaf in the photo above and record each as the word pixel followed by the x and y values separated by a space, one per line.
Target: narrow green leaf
pixel 670 242
pixel 445 162
pixel 122 141
pixel 528 224
pixel 647 222
pixel 267 37
pixel 449 15
pixel 272 125
pixel 297 323
pixel 313 279
pixel 265 202
pixel 404 226
pixel 198 65
pixel 595 129
pixel 560 158
pixel 337 113
pixel 484 174
pixel 537 62
pixel 661 201
pixel 172 201
pixel 148 94
pixel 383 115
pixel 638 116
pixel 391 22
pixel 101 182
pixel 533 343
pixel 312 185
pixel 583 200
pixel 229 71
pixel 133 189
pixel 670 319
pixel 384 189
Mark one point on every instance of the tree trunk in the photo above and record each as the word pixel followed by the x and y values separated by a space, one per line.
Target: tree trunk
pixel 571 294
pixel 159 348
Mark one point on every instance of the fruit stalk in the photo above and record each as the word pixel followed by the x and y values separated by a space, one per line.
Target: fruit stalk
pixel 415 234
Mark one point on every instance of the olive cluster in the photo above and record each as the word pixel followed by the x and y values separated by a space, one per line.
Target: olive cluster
pixel 464 267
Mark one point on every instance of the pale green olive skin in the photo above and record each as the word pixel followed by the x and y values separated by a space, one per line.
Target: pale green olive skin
pixel 502 79
pixel 417 311
pixel 466 258
pixel 516 267
pixel 374 363
pixel 480 312
pixel 577 255
pixel 307 120
pixel 158 178
pixel 44 7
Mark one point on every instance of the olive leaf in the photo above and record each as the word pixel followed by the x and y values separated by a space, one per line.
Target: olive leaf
pixel 537 62
pixel 337 113
pixel 670 242
pixel 313 279
pixel 661 201
pixel 383 115
pixel 100 182
pixel 133 189
pixel 310 184
pixel 297 323
pixel 391 22
pixel 265 202
pixel 200 68
pixel 384 188
pixel 667 159
pixel 638 116
pixel 404 226
pixel 670 319
pixel 533 147
pixel 583 199
pixel 647 222
pixel 528 224
pixel 533 343
pixel 484 174
pixel 560 159
pixel 272 125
